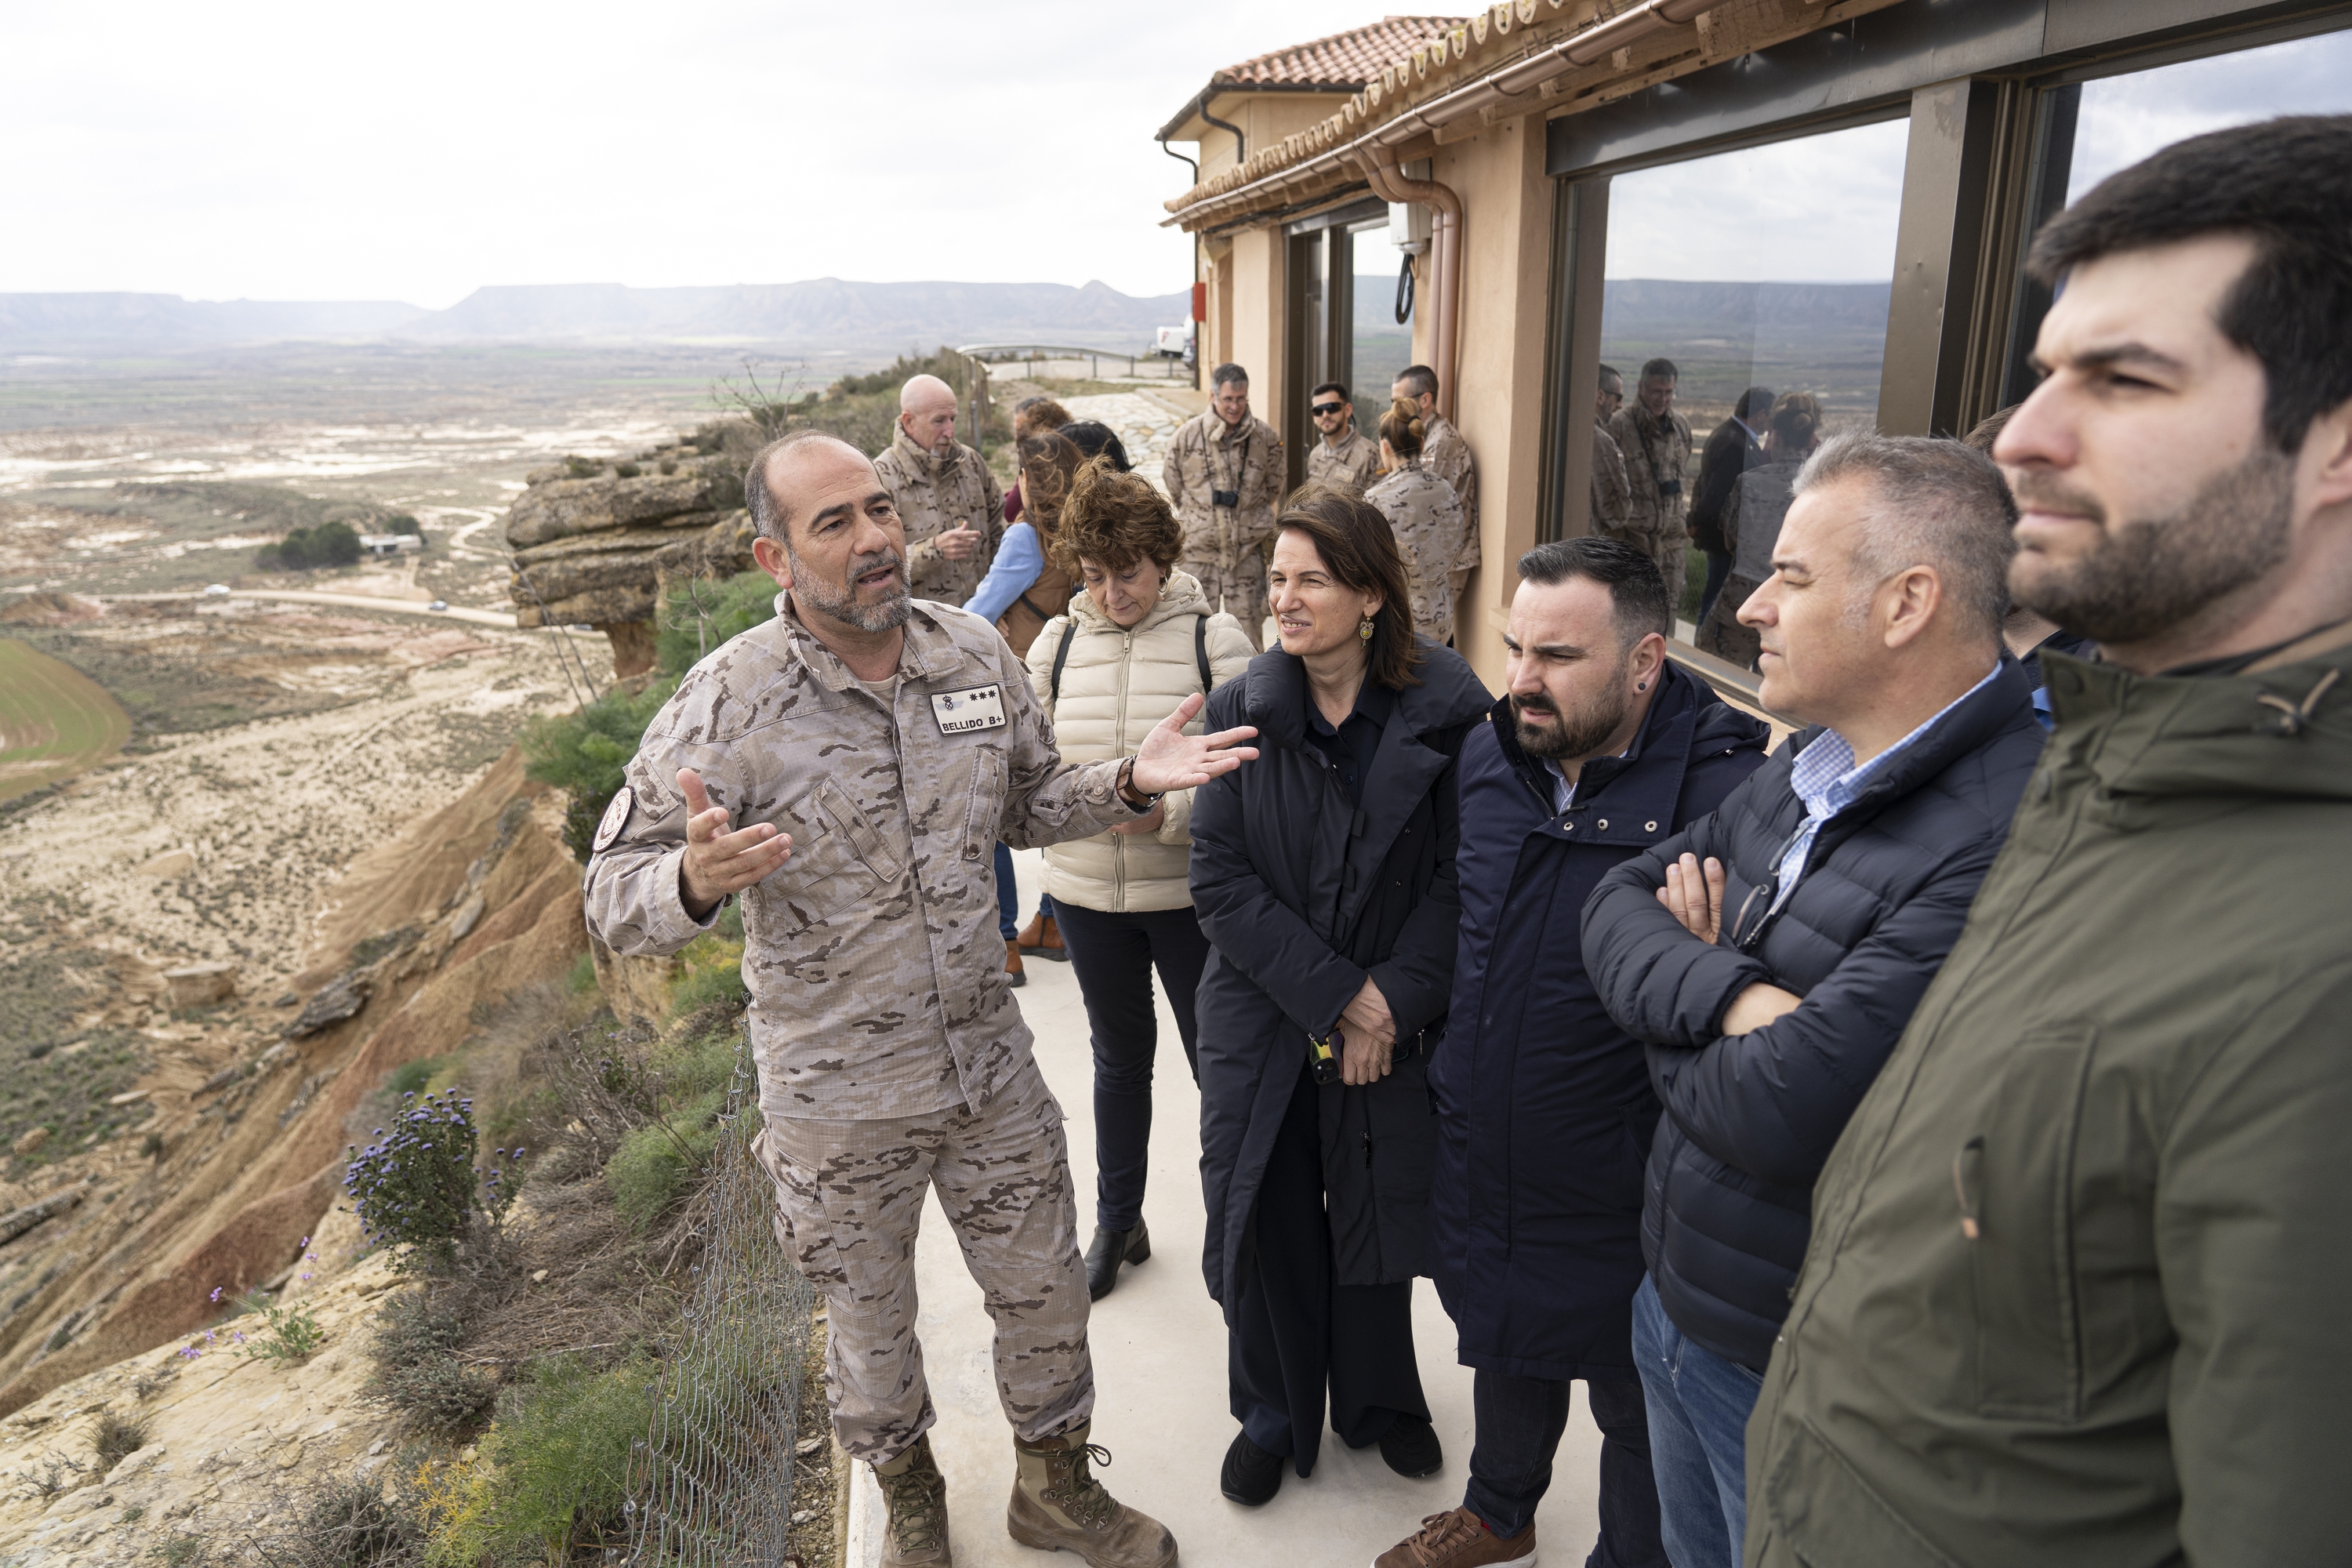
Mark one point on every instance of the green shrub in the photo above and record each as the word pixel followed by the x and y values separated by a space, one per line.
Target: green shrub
pixel 288 1340
pixel 583 467
pixel 401 523
pixel 581 978
pixel 117 1437
pixel 326 544
pixel 418 1189
pixel 417 1372
pixel 585 754
pixel 552 1472
pixel 410 1078
pixel 701 615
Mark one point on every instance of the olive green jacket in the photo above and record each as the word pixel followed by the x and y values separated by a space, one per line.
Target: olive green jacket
pixel 2079 1288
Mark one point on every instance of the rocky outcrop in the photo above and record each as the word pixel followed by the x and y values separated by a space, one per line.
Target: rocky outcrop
pixel 596 543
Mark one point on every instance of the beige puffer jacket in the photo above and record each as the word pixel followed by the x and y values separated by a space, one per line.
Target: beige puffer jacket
pixel 1116 685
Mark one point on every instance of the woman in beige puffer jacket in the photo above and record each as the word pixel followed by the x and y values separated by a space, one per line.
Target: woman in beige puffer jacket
pixel 1130 648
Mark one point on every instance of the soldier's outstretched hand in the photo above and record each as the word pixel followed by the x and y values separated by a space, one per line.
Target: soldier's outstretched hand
pixel 718 862
pixel 1169 759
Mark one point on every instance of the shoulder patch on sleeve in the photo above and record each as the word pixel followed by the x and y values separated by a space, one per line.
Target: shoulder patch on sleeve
pixel 616 818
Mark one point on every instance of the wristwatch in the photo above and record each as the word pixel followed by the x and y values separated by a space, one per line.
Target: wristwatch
pixel 1128 795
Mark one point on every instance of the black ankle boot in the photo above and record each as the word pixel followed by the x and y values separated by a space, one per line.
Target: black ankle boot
pixel 1411 1449
pixel 1109 1249
pixel 1251 1476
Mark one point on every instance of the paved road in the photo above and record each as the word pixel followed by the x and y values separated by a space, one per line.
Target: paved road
pixel 504 618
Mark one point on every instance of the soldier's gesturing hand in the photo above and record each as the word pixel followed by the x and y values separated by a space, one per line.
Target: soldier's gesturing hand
pixel 718 862
pixel 1169 759
pixel 961 543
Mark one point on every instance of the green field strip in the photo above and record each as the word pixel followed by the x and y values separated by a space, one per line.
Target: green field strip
pixel 55 722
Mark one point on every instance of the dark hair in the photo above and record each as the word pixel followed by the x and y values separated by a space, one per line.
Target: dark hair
pixel 1040 414
pixel 1330 386
pixel 1937 503
pixel 1660 369
pixel 1609 373
pixel 1095 439
pixel 1403 428
pixel 1115 518
pixel 2286 185
pixel 1750 401
pixel 1637 590
pixel 1047 460
pixel 1418 380
pixel 1988 430
pixel 1228 372
pixel 1796 418
pixel 767 510
pixel 1359 550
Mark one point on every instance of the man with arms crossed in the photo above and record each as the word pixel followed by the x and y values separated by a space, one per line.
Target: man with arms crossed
pixel 1771 954
pixel 846 768
pixel 2077 1289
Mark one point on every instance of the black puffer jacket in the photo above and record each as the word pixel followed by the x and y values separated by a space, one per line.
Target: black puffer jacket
pixel 1301 896
pixel 1750 1118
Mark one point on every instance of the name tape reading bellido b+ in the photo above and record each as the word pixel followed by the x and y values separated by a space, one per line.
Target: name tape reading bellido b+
pixel 978 708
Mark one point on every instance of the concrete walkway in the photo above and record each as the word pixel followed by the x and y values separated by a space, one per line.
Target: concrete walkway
pixel 1159 1369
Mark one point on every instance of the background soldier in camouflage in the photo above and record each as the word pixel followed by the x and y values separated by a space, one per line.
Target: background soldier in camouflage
pixel 1426 520
pixel 1344 459
pixel 847 769
pixel 1445 452
pixel 1224 471
pixel 1612 493
pixel 1656 442
pixel 952 507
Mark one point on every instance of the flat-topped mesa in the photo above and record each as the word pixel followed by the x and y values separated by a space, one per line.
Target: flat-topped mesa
pixel 598 542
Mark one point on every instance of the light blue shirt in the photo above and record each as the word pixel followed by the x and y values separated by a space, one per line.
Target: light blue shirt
pixel 1826 779
pixel 1019 561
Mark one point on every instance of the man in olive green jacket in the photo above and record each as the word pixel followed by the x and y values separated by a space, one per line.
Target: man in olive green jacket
pixel 2083 1259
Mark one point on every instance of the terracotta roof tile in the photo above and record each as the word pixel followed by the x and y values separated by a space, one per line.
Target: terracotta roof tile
pixel 1342 62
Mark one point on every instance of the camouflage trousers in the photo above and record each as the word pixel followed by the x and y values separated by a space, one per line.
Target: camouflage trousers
pixel 1667 550
pixel 849 1202
pixel 1240 593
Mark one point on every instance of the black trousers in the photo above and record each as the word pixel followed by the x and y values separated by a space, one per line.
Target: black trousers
pixel 1520 1420
pixel 1299 1330
pixel 1114 955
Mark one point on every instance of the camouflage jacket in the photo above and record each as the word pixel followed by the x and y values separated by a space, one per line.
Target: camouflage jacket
pixel 1657 468
pixel 934 494
pixel 1351 466
pixel 1421 508
pixel 1612 498
pixel 1205 456
pixel 1445 452
pixel 876 970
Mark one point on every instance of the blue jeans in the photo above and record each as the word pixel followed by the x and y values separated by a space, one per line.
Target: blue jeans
pixel 1008 896
pixel 1698 1405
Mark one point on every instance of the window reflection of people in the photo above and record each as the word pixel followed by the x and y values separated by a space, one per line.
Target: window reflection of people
pixel 1656 441
pixel 1751 517
pixel 1328 892
pixel 1613 495
pixel 1736 447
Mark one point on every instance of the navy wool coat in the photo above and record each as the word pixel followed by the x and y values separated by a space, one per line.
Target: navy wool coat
pixel 1301 896
pixel 1545 1107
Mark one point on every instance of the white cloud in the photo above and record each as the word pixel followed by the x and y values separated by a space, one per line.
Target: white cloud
pixel 295 151
pixel 2124 119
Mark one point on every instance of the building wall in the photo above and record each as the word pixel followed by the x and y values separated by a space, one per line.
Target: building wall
pixel 1256 331
pixel 1266 118
pixel 1498 393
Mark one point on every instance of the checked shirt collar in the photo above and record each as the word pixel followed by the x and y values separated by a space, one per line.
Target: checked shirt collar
pixel 1826 779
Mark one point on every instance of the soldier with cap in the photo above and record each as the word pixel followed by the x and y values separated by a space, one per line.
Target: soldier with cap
pixel 1224 473
pixel 951 506
pixel 844 769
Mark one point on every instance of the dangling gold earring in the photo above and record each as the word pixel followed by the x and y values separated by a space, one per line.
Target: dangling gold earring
pixel 1364 630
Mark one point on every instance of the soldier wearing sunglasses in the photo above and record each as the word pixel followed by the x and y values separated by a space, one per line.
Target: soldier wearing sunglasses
pixel 1343 460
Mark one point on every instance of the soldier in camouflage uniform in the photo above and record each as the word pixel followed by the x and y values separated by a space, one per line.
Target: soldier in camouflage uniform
pixel 1445 452
pixel 1345 459
pixel 1224 473
pixel 1656 442
pixel 952 505
pixel 1613 497
pixel 1427 520
pixel 846 768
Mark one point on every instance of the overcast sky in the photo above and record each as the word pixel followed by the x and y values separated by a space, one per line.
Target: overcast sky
pixel 307 151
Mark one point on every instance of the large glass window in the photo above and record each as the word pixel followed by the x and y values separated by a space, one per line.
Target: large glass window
pixel 2123 119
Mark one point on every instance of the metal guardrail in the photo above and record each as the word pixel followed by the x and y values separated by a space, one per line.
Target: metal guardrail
pixel 999 354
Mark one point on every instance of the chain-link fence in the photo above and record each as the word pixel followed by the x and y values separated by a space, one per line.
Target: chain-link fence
pixel 712 1485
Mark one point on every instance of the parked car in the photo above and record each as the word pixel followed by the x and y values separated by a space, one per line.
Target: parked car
pixel 437 605
pixel 1174 342
pixel 215 590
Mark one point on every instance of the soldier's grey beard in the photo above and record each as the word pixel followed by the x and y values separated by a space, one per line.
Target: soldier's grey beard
pixel 1578 734
pixel 2147 576
pixel 840 601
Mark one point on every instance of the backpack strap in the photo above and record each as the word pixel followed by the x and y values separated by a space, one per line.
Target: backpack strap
pixel 1201 650
pixel 1061 657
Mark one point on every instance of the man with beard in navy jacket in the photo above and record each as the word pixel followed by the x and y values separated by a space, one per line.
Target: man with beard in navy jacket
pixel 1601 750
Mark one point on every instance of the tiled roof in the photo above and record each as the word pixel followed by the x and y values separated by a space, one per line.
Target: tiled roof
pixel 1342 62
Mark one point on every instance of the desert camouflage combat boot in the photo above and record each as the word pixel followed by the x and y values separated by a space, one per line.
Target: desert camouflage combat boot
pixel 916 1495
pixel 1058 1506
